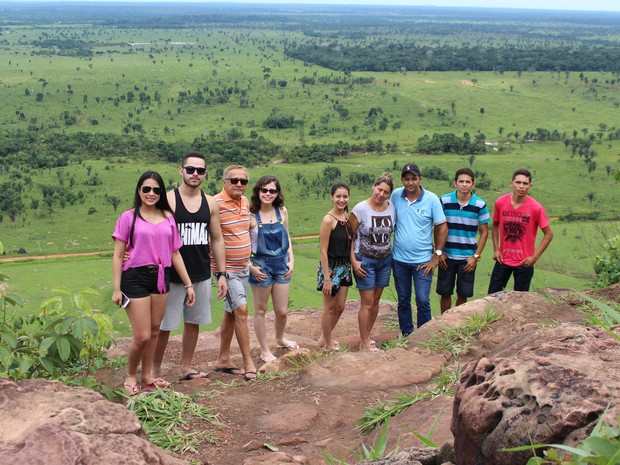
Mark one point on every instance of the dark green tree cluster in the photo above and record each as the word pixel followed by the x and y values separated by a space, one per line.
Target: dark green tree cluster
pixel 317 152
pixel 411 57
pixel 279 120
pixel 450 143
pixel 11 203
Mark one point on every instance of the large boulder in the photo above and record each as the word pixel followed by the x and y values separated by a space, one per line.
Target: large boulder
pixel 552 388
pixel 47 423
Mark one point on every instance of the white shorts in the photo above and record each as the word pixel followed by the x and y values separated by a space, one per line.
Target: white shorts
pixel 198 314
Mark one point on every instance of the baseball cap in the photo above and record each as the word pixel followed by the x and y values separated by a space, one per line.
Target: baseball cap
pixel 411 168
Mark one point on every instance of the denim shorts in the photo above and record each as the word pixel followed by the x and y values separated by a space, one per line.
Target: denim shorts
pixel 275 268
pixel 455 273
pixel 142 281
pixel 378 272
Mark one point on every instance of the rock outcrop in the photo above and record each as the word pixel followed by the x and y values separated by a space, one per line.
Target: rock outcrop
pixel 552 388
pixel 47 423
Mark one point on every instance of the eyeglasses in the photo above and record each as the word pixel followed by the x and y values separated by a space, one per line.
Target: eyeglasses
pixel 244 182
pixel 147 189
pixel 193 169
pixel 264 190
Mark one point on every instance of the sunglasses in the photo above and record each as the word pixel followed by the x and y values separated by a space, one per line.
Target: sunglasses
pixel 147 189
pixel 193 169
pixel 264 190
pixel 244 182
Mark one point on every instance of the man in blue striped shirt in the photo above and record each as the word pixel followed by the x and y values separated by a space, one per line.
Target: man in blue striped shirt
pixel 466 214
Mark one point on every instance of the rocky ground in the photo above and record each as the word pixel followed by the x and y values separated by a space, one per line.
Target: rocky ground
pixel 316 408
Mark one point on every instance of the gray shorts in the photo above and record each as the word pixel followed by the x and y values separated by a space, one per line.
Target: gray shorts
pixel 237 294
pixel 198 314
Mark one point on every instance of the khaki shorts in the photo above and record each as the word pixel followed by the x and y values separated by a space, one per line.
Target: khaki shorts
pixel 237 294
pixel 197 314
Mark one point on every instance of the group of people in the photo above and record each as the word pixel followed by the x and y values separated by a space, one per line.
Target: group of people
pixel 168 245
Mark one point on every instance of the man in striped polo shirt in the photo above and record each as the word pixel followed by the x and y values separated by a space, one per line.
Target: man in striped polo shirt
pixel 466 214
pixel 235 223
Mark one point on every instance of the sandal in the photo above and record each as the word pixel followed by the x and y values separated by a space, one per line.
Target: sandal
pixel 132 389
pixel 157 383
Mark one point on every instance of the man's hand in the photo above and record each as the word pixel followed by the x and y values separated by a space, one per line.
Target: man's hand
pixel 430 266
pixel 498 256
pixel 471 264
pixel 529 261
pixel 443 262
pixel 222 287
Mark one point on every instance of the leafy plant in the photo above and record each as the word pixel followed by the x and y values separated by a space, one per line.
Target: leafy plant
pixel 91 327
pixel 399 342
pixel 426 439
pixel 602 314
pixel 54 344
pixel 375 451
pixel 165 416
pixel 607 264
pixel 602 446
pixel 379 414
pixel 456 340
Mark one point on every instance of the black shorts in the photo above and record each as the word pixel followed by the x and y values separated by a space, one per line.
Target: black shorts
pixel 142 281
pixel 447 278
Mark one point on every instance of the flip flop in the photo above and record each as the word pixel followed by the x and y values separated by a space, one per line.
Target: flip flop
pixel 194 375
pixel 290 345
pixel 273 358
pixel 229 370
pixel 157 383
pixel 132 389
pixel 250 375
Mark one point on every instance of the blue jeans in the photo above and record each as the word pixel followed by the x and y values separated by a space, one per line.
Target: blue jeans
pixel 404 274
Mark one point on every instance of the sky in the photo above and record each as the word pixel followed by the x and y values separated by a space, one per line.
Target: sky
pixel 584 5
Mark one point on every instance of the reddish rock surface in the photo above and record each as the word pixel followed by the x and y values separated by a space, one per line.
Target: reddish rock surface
pixel 47 423
pixel 303 412
pixel 551 391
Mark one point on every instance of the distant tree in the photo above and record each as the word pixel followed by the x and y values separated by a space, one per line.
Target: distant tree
pixel 591 196
pixel 114 201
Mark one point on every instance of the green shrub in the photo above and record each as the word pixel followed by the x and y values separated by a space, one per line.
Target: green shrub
pixel 607 265
pixel 58 343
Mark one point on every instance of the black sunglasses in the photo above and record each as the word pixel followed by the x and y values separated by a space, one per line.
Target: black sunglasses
pixel 192 169
pixel 244 182
pixel 147 189
pixel 264 190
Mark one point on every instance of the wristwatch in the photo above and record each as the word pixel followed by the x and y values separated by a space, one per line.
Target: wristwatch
pixel 477 257
pixel 219 274
pixel 438 252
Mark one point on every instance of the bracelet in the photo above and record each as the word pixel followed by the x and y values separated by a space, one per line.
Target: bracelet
pixel 189 286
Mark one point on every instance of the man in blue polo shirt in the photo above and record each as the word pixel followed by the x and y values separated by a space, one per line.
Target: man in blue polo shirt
pixel 466 214
pixel 419 217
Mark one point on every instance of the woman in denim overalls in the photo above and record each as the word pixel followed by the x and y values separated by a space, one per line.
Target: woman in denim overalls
pixel 272 262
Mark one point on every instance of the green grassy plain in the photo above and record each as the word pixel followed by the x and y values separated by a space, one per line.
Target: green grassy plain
pixel 248 65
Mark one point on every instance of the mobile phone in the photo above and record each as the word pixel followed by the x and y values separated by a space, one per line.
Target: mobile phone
pixel 125 300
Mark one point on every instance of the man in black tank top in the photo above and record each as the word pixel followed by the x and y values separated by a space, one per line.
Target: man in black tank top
pixel 198 220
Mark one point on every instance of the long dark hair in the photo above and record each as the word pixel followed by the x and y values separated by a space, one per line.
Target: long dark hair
pixel 162 204
pixel 278 202
pixel 340 185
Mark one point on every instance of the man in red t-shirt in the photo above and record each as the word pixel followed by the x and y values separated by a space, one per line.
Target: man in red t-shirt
pixel 516 219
